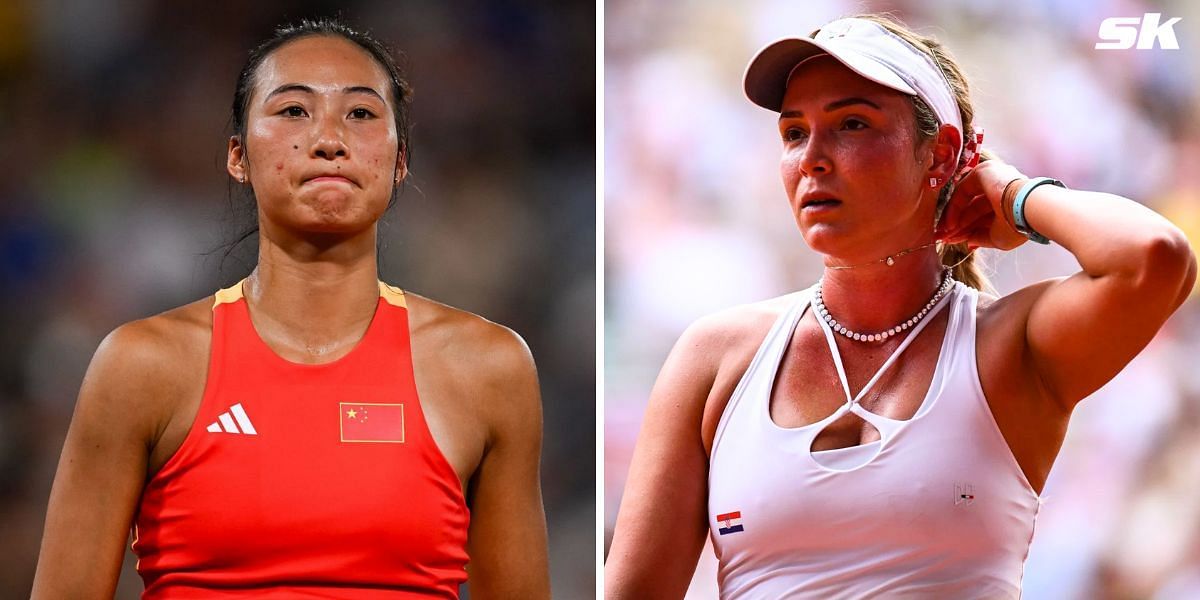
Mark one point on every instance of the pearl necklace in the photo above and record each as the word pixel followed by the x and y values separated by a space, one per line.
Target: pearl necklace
pixel 823 313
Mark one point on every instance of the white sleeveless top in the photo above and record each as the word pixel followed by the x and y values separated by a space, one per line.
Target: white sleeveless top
pixel 938 508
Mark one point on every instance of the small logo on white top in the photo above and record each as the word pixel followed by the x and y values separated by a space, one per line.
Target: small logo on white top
pixel 225 422
pixel 964 494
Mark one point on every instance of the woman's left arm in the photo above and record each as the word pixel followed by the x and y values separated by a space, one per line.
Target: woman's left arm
pixel 1137 269
pixel 507 537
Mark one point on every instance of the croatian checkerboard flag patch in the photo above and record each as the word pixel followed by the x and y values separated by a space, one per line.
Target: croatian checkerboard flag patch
pixel 729 522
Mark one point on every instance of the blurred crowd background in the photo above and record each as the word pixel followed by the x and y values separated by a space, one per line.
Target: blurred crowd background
pixel 696 220
pixel 114 118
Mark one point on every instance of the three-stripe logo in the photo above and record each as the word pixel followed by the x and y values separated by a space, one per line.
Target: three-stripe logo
pixel 225 422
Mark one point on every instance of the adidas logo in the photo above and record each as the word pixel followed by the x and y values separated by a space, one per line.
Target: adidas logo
pixel 225 422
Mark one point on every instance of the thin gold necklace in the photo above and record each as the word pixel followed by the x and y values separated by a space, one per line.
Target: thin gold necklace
pixel 888 260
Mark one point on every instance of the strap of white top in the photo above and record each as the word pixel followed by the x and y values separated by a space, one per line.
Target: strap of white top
pixel 837 357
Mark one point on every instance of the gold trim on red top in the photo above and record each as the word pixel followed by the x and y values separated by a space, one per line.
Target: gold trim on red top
pixel 233 293
pixel 230 294
pixel 392 295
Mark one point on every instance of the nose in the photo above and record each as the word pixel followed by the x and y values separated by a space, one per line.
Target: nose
pixel 328 142
pixel 814 159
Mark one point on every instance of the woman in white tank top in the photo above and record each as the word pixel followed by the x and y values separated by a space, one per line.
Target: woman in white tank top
pixel 886 432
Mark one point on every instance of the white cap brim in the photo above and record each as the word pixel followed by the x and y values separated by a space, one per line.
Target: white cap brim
pixel 767 75
pixel 863 46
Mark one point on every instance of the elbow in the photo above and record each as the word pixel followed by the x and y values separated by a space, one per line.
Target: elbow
pixel 1168 265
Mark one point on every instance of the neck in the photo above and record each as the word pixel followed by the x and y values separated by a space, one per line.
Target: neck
pixel 317 294
pixel 875 297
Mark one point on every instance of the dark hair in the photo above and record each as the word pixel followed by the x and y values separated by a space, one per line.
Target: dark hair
pixel 243 217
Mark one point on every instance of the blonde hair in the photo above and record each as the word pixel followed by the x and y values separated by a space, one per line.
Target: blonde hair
pixel 966 265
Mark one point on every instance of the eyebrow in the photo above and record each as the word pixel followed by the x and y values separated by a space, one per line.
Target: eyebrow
pixel 297 87
pixel 832 106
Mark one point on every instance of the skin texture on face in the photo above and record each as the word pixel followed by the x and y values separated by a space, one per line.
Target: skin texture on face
pixel 849 138
pixel 320 147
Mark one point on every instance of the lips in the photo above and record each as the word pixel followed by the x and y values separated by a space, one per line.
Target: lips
pixel 820 203
pixel 321 179
pixel 329 178
pixel 817 200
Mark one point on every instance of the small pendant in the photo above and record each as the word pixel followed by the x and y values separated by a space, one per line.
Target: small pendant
pixel 890 261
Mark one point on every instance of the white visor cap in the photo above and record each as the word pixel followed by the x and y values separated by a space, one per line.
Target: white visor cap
pixel 866 48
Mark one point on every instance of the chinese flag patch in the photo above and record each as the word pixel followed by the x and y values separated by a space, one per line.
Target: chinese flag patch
pixel 372 422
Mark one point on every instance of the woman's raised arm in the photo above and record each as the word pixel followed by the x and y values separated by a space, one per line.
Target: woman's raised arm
pixel 1137 268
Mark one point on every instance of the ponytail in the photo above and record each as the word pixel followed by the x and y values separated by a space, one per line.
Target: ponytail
pixel 966 265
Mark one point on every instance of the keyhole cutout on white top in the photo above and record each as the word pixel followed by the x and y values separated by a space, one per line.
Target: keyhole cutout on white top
pixel 848 425
pixel 841 456
pixel 866 451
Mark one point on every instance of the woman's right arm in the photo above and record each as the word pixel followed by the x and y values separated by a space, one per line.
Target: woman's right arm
pixel 103 466
pixel 662 521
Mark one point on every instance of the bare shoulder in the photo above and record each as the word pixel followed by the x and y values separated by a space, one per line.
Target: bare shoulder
pixel 154 345
pixel 477 371
pixel 143 369
pixel 710 358
pixel 1004 317
pixel 1029 293
pixel 175 330
pixel 726 337
pixel 491 351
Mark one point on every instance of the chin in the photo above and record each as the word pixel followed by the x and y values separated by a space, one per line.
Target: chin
pixel 337 213
pixel 341 228
pixel 824 237
pixel 337 224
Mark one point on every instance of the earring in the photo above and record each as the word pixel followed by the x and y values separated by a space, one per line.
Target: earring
pixel 933 182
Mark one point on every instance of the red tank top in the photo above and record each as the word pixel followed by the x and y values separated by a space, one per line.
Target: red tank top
pixel 305 481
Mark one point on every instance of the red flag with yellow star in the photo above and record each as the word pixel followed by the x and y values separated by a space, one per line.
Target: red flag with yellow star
pixel 366 422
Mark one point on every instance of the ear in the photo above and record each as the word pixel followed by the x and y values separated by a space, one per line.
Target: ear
pixel 401 167
pixel 946 148
pixel 235 160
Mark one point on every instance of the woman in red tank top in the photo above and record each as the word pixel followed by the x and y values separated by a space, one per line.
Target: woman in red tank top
pixel 310 431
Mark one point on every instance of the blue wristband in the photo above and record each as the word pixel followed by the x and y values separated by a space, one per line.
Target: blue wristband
pixel 1018 208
